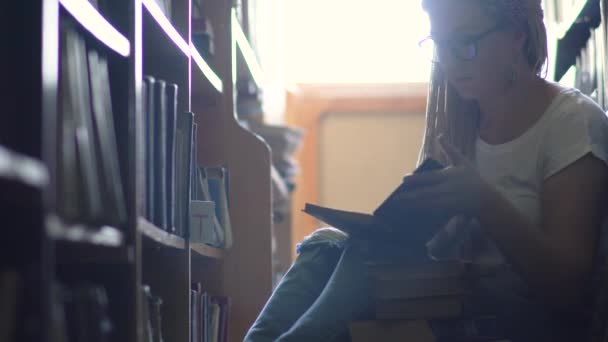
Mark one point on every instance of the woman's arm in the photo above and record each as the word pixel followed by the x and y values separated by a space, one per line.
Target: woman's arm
pixel 556 259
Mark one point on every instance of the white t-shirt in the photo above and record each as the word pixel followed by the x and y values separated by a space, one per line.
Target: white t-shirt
pixel 572 126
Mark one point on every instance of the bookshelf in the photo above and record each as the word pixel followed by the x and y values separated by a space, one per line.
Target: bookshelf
pixel 571 28
pixel 50 251
pixel 579 29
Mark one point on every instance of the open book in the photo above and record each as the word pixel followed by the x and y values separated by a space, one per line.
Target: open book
pixel 389 219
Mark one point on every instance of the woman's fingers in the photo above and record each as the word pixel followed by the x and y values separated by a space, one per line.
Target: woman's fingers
pixel 421 194
pixel 423 179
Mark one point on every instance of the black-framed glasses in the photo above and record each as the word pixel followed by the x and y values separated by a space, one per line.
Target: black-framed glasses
pixel 465 49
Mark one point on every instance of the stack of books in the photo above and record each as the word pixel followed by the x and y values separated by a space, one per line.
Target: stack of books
pixel 423 301
pixel 427 290
pixel 167 145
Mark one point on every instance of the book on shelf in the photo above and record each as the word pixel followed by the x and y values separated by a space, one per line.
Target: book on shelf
pixel 183 157
pixel 78 176
pixel 105 138
pixel 210 234
pixel 170 176
pixel 155 306
pixel 214 319
pixel 209 315
pixel 388 220
pixel 213 185
pixel 165 153
pixel 89 182
pixel 219 187
pixel 193 174
pixel 195 320
pixel 81 313
pixel 151 315
pixel 221 305
pixel 148 124
pixel 160 151
pixel 145 313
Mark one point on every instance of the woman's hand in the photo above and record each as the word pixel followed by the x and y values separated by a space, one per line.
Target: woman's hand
pixel 456 190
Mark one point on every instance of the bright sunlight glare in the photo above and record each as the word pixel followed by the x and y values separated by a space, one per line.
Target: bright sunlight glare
pixel 355 41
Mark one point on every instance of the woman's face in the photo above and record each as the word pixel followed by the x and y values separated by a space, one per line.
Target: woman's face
pixel 476 53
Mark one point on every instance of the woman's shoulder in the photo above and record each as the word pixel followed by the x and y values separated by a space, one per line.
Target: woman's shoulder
pixel 575 126
pixel 573 109
pixel 574 105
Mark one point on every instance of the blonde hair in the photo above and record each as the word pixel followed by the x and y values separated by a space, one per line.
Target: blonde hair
pixel 457 119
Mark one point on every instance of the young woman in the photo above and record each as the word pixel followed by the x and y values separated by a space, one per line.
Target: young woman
pixel 527 171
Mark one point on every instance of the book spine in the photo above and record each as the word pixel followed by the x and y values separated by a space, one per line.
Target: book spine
pixel 160 143
pixel 171 183
pixel 185 124
pixel 150 154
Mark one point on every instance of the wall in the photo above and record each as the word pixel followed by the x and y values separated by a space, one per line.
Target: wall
pixel 363 155
pixel 352 132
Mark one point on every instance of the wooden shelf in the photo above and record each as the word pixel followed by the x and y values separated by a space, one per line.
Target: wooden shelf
pixel 80 233
pixel 207 251
pixel 160 236
pixel 22 169
pixel 248 54
pixel 88 16
pixel 165 25
pixel 208 73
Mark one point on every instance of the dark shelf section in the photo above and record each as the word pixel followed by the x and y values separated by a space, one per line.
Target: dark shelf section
pixel 165 25
pixel 59 230
pixel 69 253
pixel 94 22
pixel 207 251
pixel 15 167
pixel 210 81
pixel 160 236
pixel 575 33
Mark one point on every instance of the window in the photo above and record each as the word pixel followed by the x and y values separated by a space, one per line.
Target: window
pixel 355 41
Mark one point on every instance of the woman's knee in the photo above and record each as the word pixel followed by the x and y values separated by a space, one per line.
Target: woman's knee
pixel 324 238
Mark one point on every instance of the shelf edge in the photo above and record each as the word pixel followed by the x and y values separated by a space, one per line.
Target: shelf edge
pixel 250 59
pixel 97 25
pixel 207 251
pixel 160 236
pixel 80 233
pixel 213 78
pixel 166 26
pixel 21 168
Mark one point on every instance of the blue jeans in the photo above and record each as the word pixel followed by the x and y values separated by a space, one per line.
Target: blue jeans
pixel 327 287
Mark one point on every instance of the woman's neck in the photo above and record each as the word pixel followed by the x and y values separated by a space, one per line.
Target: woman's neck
pixel 509 114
